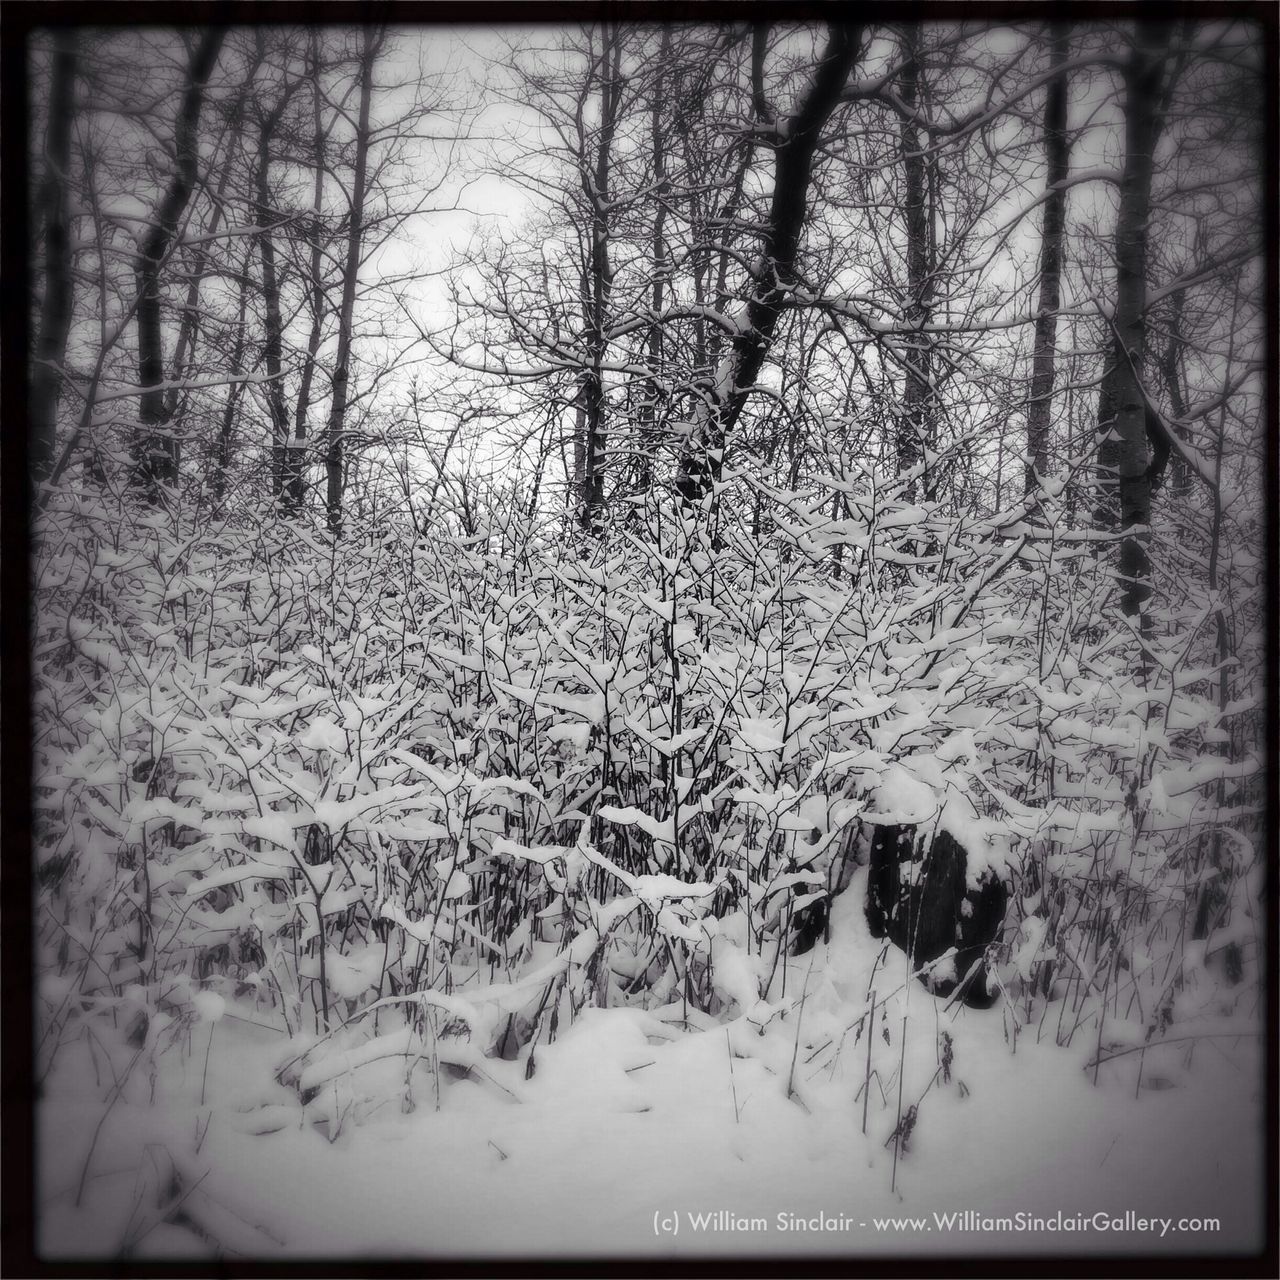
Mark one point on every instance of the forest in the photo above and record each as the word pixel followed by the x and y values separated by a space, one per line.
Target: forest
pixel 638 619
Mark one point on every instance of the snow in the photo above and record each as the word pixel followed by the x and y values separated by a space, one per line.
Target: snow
pixel 902 799
pixel 429 884
pixel 209 1005
pixel 630 1119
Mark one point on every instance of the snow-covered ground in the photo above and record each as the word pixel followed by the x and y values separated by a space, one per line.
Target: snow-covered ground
pixel 747 1140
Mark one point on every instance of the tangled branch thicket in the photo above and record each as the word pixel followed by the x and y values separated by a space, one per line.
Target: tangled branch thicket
pixel 447 621
pixel 430 796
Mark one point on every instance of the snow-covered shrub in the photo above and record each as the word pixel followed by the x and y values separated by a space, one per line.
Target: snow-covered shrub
pixel 426 796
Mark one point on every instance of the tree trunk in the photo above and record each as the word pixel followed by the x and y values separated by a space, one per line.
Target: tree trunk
pixel 156 454
pixel 55 308
pixel 579 443
pixel 226 432
pixel 649 431
pixel 273 345
pixel 350 278
pixel 914 430
pixel 599 284
pixel 1123 455
pixel 295 455
pixel 795 143
pixel 1057 156
pixel 187 331
pixel 1171 369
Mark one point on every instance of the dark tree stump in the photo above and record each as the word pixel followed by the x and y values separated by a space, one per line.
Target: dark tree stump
pixel 917 896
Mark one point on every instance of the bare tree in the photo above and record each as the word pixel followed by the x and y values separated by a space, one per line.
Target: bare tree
pixel 295 478
pixel 649 433
pixel 266 217
pixel 373 41
pixel 227 419
pixel 597 282
pixel 795 143
pixel 915 431
pixel 157 453
pixel 55 308
pixel 1057 157
pixel 1123 449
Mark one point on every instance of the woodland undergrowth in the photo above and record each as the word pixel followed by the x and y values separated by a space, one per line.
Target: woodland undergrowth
pixel 427 792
